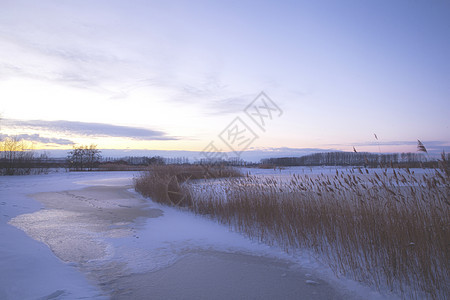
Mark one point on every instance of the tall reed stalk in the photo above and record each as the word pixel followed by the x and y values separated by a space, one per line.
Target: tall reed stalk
pixel 388 229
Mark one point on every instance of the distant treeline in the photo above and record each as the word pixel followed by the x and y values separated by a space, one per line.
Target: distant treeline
pixel 158 160
pixel 24 163
pixel 366 159
pixel 144 160
pixel 17 158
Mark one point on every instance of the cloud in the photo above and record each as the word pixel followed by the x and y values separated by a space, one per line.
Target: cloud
pixel 88 129
pixel 38 138
pixel 104 55
pixel 230 105
pixel 64 54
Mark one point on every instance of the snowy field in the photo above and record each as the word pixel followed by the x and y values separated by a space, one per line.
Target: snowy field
pixel 91 236
pixel 325 170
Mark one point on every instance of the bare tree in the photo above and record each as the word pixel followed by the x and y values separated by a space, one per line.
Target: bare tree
pixel 84 157
pixel 16 156
pixel 93 156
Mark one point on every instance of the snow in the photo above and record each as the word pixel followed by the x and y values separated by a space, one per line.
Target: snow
pixel 325 170
pixel 165 240
pixel 29 269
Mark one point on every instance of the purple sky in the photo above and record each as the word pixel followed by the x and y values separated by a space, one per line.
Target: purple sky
pixel 172 75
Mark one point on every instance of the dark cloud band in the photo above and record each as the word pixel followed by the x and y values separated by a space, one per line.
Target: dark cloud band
pixel 89 129
pixel 38 138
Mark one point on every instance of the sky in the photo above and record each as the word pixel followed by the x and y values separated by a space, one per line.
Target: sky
pixel 231 76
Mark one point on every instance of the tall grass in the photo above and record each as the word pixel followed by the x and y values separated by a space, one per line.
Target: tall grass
pixel 388 229
pixel 164 183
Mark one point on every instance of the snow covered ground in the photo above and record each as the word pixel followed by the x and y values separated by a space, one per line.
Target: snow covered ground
pixel 135 243
pixel 325 170
pixel 28 268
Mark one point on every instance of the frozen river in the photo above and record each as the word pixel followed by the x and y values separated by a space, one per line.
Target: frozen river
pixel 89 235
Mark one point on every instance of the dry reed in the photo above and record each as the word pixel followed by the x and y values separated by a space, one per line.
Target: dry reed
pixel 165 183
pixel 387 229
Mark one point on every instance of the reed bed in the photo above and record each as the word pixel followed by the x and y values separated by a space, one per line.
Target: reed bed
pixel 388 229
pixel 164 183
